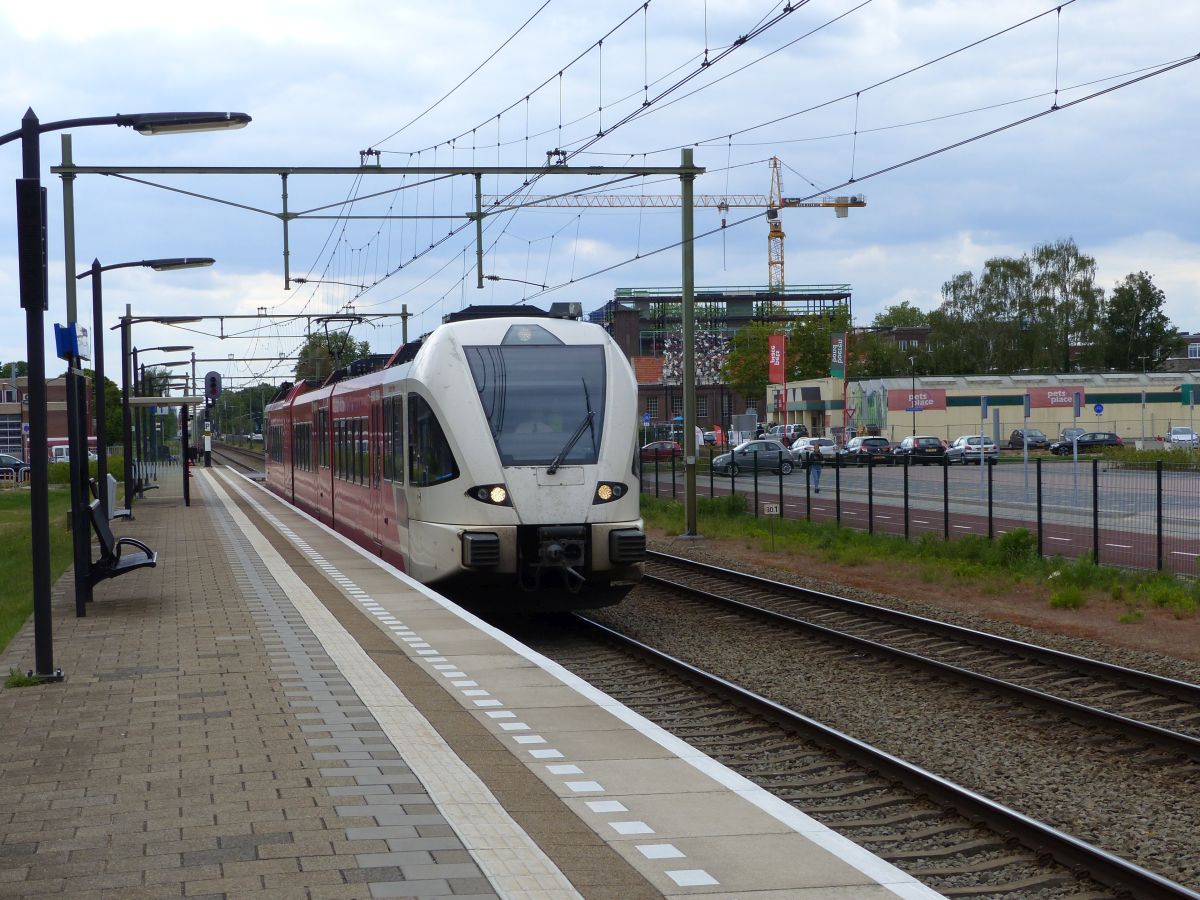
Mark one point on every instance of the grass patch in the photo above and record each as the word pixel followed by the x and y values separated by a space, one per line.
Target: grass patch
pixel 16 555
pixel 17 679
pixel 993 565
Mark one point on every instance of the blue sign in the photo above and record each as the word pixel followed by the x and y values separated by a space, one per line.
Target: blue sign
pixel 912 409
pixel 646 418
pixel 1098 408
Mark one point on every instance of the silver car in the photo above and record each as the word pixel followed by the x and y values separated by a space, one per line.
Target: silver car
pixel 806 447
pixel 971 448
pixel 1183 436
pixel 764 454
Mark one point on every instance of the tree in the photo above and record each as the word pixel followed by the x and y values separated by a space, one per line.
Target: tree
pixel 113 404
pixel 1135 325
pixel 1040 312
pixel 901 315
pixel 810 342
pixel 324 352
pixel 745 368
pixel 20 366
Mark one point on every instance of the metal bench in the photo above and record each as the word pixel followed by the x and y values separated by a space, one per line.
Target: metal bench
pixel 114 560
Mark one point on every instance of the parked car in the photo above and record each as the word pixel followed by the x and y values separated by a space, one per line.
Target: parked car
pixel 1088 442
pixel 862 451
pixel 767 454
pixel 920 448
pixel 1183 436
pixel 1036 440
pixel 787 434
pixel 1069 434
pixel 805 447
pixel 971 448
pixel 710 437
pixel 14 464
pixel 658 450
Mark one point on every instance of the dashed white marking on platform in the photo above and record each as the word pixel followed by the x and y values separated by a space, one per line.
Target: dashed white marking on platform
pixel 546 754
pixel 487 703
pixel 514 726
pixel 691 877
pixel 631 828
pixel 564 770
pixel 501 714
pixel 529 739
pixel 585 787
pixel 467 683
pixel 606 806
pixel 660 851
pixel 476 692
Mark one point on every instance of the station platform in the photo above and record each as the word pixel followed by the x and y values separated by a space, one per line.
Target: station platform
pixel 272 711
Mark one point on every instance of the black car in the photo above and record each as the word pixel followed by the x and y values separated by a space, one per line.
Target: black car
pixel 1088 442
pixel 921 448
pixel 13 467
pixel 862 451
pixel 1036 440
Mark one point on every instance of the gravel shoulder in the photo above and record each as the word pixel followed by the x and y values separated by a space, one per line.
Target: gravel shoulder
pixel 1160 642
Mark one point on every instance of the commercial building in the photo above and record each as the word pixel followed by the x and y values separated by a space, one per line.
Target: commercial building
pixel 14 414
pixel 1134 405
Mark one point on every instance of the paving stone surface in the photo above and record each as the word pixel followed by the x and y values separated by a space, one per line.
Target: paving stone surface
pixel 203 744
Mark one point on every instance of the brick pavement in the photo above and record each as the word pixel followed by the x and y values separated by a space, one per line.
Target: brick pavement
pixel 203 745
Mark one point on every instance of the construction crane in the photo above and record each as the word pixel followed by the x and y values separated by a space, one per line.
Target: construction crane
pixel 772 202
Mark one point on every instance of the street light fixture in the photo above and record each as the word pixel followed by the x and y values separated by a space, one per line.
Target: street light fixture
pixel 34 292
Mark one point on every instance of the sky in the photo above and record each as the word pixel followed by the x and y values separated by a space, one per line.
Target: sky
pixel 838 91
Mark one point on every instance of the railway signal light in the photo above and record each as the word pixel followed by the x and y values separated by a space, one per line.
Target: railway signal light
pixel 212 386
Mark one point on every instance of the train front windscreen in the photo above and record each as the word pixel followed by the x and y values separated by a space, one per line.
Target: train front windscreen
pixel 544 403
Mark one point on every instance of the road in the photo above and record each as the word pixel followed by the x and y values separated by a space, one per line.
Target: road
pixel 1117 517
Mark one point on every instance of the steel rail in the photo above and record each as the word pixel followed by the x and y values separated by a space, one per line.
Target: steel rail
pixel 1108 868
pixel 1182 690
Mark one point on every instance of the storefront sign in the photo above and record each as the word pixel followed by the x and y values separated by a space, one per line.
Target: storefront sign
pixel 1053 397
pixel 906 400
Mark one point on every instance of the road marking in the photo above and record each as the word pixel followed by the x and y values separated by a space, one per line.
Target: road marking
pixel 1121 546
pixel 1183 553
pixel 963 527
pixel 882 517
pixel 920 521
pixel 1064 540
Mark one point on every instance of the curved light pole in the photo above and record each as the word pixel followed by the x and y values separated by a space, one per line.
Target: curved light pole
pixel 34 291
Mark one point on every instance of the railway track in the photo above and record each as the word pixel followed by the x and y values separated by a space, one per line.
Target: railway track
pixel 1144 708
pixel 952 839
pixel 245 460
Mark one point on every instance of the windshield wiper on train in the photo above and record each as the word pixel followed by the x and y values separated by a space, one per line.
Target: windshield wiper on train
pixel 574 438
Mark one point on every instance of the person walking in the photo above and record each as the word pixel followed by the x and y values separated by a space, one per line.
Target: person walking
pixel 815 466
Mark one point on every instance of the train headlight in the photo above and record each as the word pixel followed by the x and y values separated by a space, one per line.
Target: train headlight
pixel 492 494
pixel 608 491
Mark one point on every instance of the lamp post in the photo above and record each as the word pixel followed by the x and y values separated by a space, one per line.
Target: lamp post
pixel 912 397
pixel 34 292
pixel 1143 359
pixel 95 272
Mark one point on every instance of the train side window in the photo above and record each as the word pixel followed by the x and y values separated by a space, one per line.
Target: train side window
pixel 339 448
pixel 386 435
pixel 323 437
pixel 396 427
pixel 430 460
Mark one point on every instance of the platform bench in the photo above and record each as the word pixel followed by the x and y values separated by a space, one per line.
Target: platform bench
pixel 114 559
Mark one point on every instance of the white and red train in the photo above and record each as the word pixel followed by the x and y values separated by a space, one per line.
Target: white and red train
pixel 499 451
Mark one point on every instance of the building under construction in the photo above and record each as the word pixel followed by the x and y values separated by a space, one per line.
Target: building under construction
pixel 647 324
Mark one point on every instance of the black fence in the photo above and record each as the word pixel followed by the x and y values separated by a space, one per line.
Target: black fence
pixel 1134 514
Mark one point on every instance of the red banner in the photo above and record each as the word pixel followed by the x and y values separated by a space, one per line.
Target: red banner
pixel 1053 397
pixel 905 400
pixel 775 368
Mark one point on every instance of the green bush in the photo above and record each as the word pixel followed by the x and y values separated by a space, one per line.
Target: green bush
pixel 1173 459
pixel 1067 597
pixel 1016 547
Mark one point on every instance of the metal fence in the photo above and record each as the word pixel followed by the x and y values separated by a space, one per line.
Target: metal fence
pixel 1133 514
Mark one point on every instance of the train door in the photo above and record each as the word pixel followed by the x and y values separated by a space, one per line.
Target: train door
pixel 325 458
pixel 374 473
